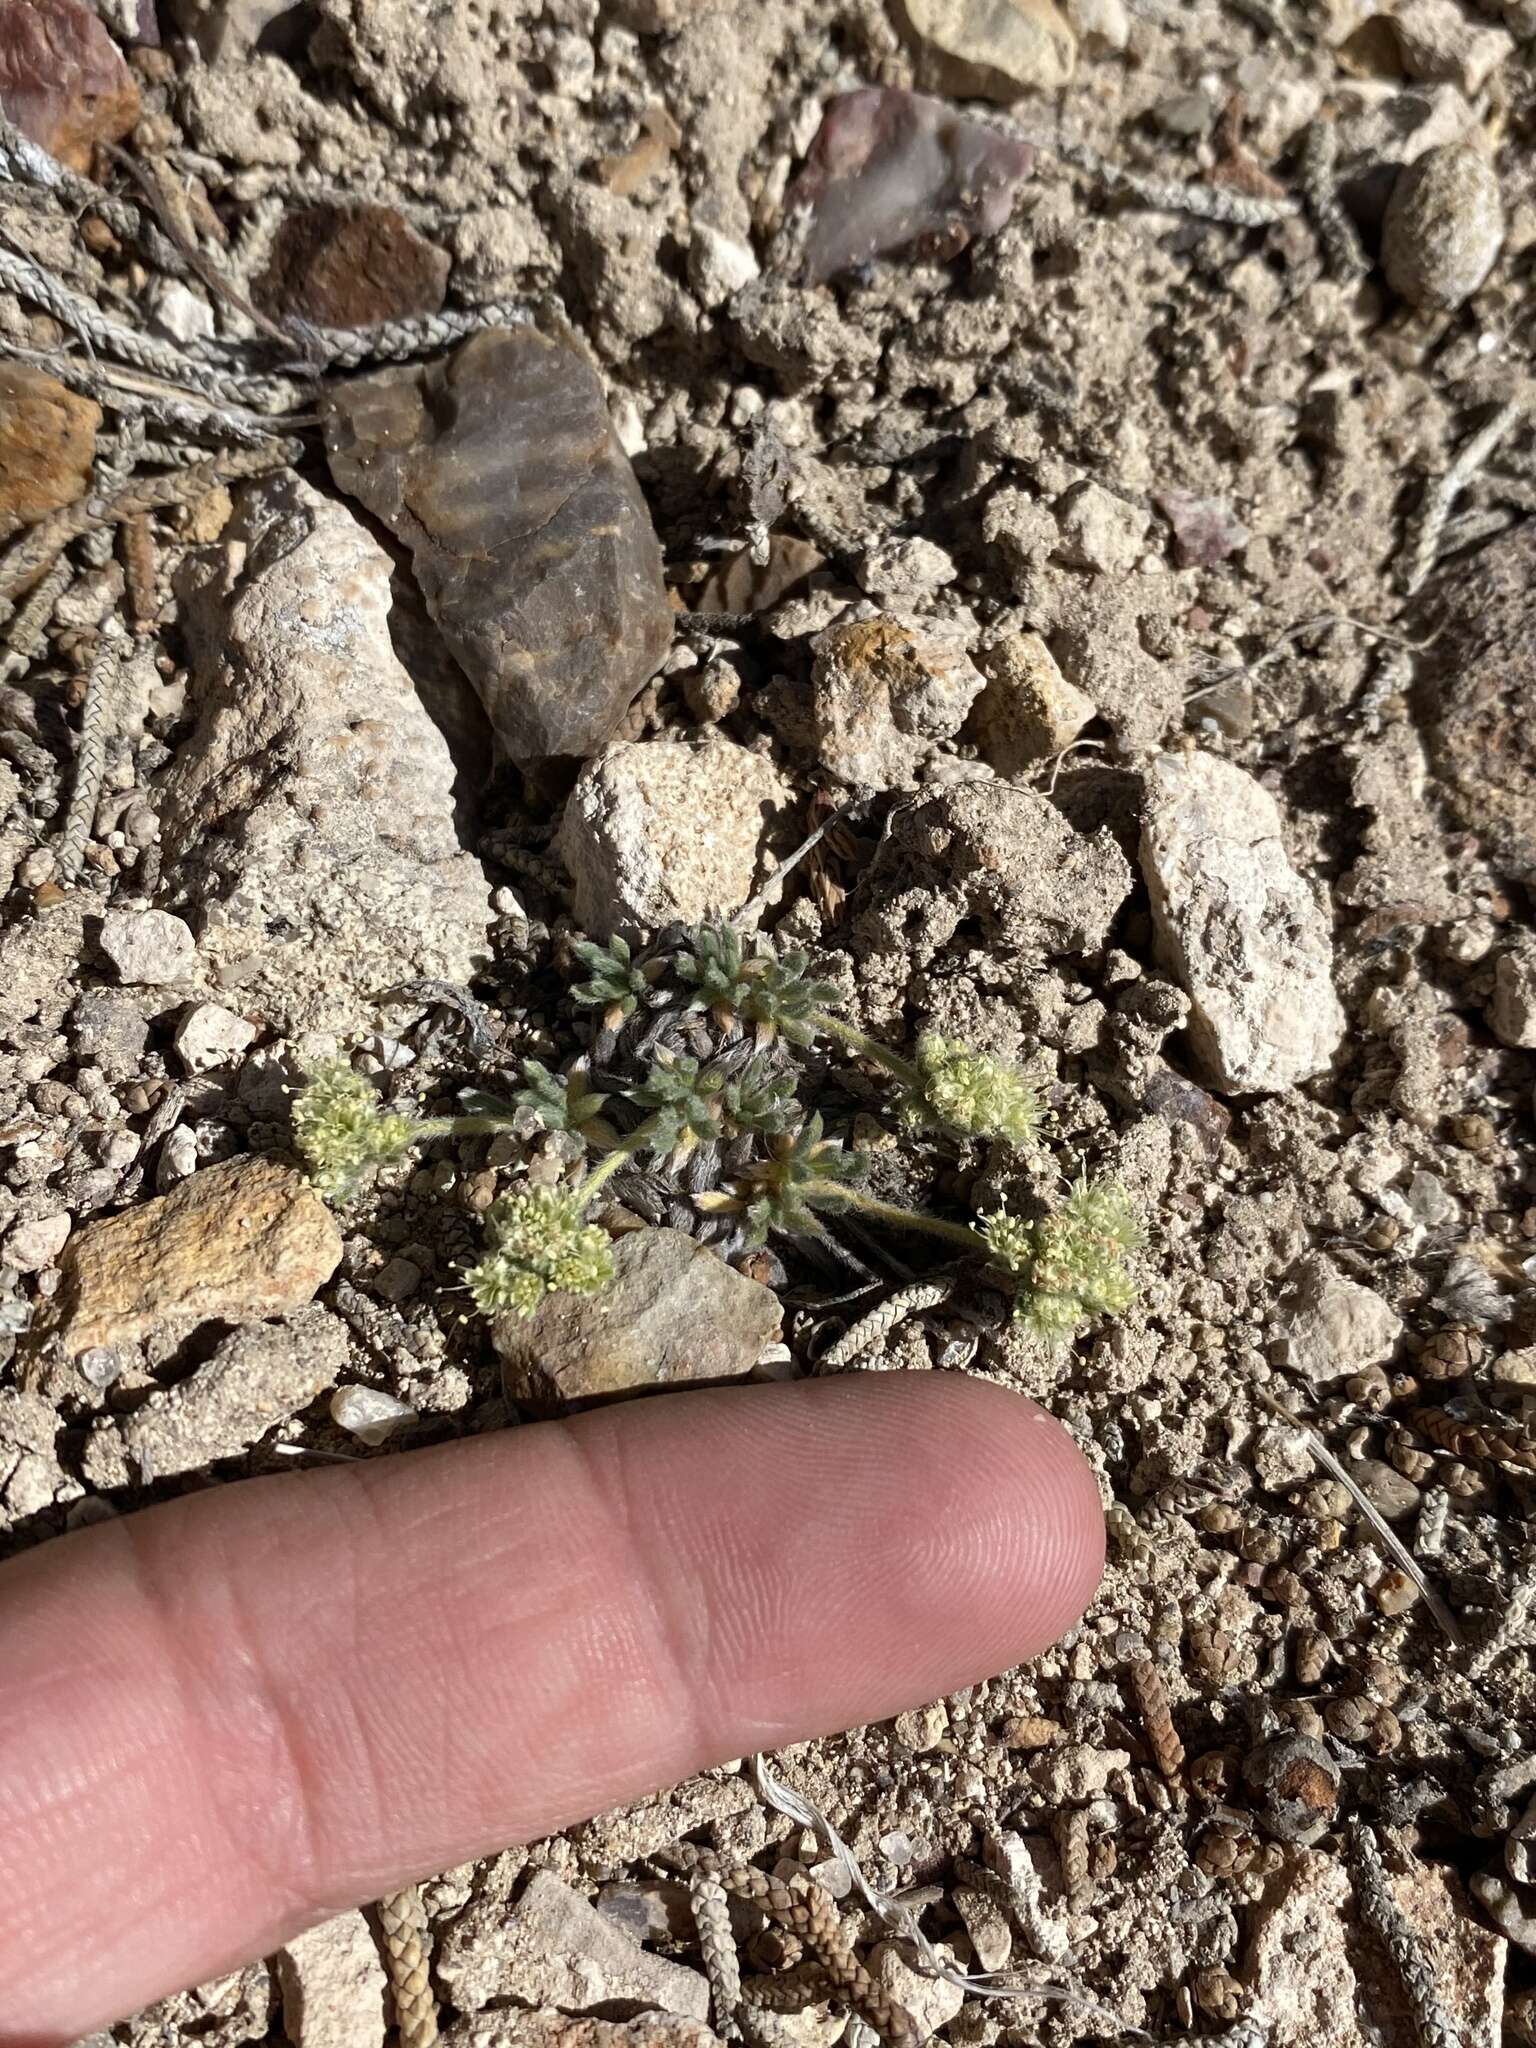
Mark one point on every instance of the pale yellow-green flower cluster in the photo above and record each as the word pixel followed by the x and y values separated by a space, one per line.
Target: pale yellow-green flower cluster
pixel 344 1132
pixel 974 1094
pixel 1072 1265
pixel 540 1245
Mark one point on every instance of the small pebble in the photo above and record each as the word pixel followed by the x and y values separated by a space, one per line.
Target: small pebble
pixel 209 1036
pixel 1444 224
pixel 1395 1593
pixel 368 1413
pixel 31 1246
pixel 149 948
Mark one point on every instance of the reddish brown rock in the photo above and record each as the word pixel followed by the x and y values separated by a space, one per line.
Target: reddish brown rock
pixel 499 468
pixel 63 80
pixel 352 267
pixel 47 445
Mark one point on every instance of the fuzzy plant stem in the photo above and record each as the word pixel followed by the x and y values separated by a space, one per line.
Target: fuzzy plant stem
pixel 836 1196
pixel 869 1048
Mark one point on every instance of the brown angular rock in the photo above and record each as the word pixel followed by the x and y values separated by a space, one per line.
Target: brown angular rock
pixel 47 445
pixel 675 1314
pixel 1476 686
pixel 63 80
pixel 530 538
pixel 237 1242
pixel 1028 710
pixel 351 266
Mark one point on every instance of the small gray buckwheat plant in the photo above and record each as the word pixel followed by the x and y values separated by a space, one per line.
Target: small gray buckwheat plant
pixel 687 1095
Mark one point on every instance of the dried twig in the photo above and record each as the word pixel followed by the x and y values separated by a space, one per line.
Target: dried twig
pixel 139 567
pixel 29 628
pixel 760 901
pixel 1512 1629
pixel 34 554
pixel 1382 1914
pixel 24 162
pixel 128 345
pixel 115 465
pixel 1429 522
pixel 97 717
pixel 1342 252
pixel 1171 195
pixel 899 1308
pixel 403 1919
pixel 395 341
pixel 177 412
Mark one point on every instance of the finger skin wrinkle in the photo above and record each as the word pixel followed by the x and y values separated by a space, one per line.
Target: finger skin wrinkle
pixel 244 1728
pixel 677 1608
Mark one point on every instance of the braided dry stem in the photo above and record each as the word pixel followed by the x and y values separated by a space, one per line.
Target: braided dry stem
pixel 97 718
pixel 407 1960
pixel 789 1990
pixel 809 1911
pixel 711 1908
pixel 900 1308
pixel 34 555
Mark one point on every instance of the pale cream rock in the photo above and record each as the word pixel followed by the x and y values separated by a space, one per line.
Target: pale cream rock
pixel 1329 1327
pixel 993 49
pixel 334 1987
pixel 657 830
pixel 1239 927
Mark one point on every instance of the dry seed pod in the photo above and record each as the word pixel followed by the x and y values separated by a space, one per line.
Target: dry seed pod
pixel 1152 1703
pixel 1225 1852
pixel 1407 1458
pixel 1349 1718
pixel 1370 1388
pixel 1220 1518
pixel 1451 1352
pixel 1282 1584
pixel 1385 1733
pixel 1219 1995
pixel 1508 1446
pixel 1442 230
pixel 1312 1654
pixel 1304 1718
pixel 1214 1775
pixel 1072 1846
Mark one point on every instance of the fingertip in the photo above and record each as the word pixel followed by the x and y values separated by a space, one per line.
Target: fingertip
pixel 1028 1553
